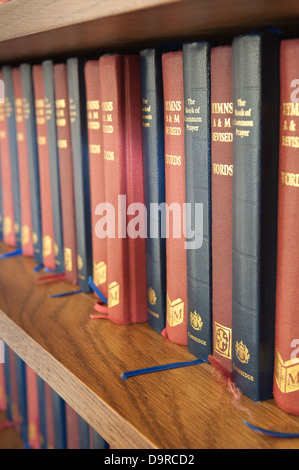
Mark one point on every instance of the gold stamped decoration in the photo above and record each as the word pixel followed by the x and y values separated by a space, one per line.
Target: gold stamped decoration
pixel 68 264
pixel 151 296
pixel 79 262
pixel 175 311
pixel 223 340
pixel 286 373
pixel 25 235
pixel 99 273
pixel 113 294
pixel 196 321
pixel 47 245
pixel 242 352
pixel 35 238
pixel 6 225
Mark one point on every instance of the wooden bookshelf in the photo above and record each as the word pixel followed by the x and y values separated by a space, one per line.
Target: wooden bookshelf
pixel 81 358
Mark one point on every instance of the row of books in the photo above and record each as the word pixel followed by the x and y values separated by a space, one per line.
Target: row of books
pixel 41 417
pixel 99 157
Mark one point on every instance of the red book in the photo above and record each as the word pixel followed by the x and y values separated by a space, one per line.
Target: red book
pixel 176 263
pixel 114 147
pixel 49 417
pixel 2 378
pixel 16 415
pixel 44 169
pixel 96 170
pixel 34 440
pixel 135 194
pixel 24 181
pixel 65 172
pixel 6 180
pixel 286 375
pixel 72 428
pixel 222 172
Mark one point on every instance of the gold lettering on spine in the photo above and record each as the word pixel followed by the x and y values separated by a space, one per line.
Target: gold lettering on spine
pixel 241 110
pixel 286 374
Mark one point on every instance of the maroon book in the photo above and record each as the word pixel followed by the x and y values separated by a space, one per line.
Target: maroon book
pixel 34 439
pixel 44 169
pixel 65 172
pixel 176 263
pixel 96 170
pixel 24 179
pixel 286 372
pixel 222 172
pixel 6 180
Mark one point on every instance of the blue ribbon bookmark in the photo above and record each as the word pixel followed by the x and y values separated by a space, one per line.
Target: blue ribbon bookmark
pixel 11 253
pixel 64 294
pixel 38 268
pixel 97 290
pixel 174 365
pixel 271 433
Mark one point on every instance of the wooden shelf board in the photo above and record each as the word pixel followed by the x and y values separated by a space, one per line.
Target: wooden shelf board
pixel 42 28
pixel 83 359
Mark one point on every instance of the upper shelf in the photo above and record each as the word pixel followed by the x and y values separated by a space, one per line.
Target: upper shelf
pixel 83 359
pixel 38 29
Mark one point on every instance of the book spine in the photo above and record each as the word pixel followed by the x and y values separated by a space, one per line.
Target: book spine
pixel 96 166
pixel 72 432
pixel 9 236
pixel 32 153
pixel 97 441
pixel 222 172
pixel 135 191
pixel 65 172
pixel 8 387
pixel 255 162
pixel 22 397
pixel 24 180
pixel 50 110
pixel 42 412
pixel 13 149
pixel 49 417
pixel 196 59
pixel 83 433
pixel 33 409
pixel 1 206
pixel 79 140
pixel 59 420
pixel 112 97
pixel 2 377
pixel 176 264
pixel 154 182
pixel 286 372
pixel 44 169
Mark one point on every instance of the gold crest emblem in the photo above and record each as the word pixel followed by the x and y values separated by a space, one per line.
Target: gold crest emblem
pixel 25 235
pixel 196 321
pixel 79 262
pixel 151 296
pixel 175 311
pixel 67 259
pixel 242 352
pixel 113 294
pixel 99 273
pixel 47 245
pixel 223 340
pixel 35 238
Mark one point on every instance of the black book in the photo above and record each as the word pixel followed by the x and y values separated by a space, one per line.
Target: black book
pixel 79 139
pixel 31 140
pixel 50 110
pixel 154 182
pixel 13 149
pixel 255 160
pixel 196 67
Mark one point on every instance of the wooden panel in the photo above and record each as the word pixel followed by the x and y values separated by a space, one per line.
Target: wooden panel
pixel 42 28
pixel 83 359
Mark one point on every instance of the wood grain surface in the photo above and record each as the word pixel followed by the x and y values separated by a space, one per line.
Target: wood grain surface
pixel 83 359
pixel 38 29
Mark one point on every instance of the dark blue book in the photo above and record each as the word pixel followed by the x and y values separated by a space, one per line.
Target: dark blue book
pixel 22 397
pixel 79 140
pixel 83 428
pixel 42 412
pixel 7 376
pixel 255 68
pixel 50 110
pixel 96 440
pixel 59 420
pixel 196 69
pixel 31 140
pixel 154 182
pixel 13 149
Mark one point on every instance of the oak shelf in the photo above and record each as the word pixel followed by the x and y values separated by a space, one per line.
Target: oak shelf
pixel 83 359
